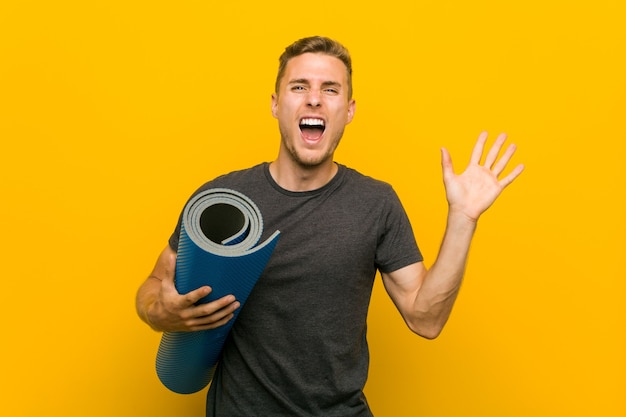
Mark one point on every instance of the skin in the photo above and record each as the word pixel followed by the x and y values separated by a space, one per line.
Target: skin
pixel 315 86
pixel 425 297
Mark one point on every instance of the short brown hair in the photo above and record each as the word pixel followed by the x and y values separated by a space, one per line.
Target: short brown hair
pixel 315 44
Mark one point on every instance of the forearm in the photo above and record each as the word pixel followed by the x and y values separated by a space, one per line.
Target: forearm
pixel 436 296
pixel 426 300
pixel 147 295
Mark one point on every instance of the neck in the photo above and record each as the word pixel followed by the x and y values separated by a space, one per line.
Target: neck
pixel 294 177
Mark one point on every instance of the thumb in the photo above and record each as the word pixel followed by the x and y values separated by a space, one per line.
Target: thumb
pixel 446 164
pixel 169 270
pixel 169 275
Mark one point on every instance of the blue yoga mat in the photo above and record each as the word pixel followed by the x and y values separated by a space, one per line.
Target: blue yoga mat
pixel 218 247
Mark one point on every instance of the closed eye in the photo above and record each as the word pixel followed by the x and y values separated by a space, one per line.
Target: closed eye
pixel 331 87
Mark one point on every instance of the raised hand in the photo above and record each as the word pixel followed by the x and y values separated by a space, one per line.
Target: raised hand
pixel 474 191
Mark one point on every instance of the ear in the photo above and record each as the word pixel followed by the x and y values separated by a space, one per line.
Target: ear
pixel 274 105
pixel 351 110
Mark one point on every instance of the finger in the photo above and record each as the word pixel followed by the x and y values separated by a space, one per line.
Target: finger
pixel 166 268
pixel 212 307
pixel 218 314
pixel 499 167
pixel 167 271
pixel 196 295
pixel 446 164
pixel 477 153
pixel 170 268
pixel 495 150
pixel 208 325
pixel 512 175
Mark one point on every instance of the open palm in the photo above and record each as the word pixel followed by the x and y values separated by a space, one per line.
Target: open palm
pixel 474 191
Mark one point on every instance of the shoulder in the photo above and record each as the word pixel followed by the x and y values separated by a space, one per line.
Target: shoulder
pixel 236 179
pixel 364 183
pixel 247 174
pixel 362 193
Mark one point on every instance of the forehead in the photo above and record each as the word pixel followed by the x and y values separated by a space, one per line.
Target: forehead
pixel 316 67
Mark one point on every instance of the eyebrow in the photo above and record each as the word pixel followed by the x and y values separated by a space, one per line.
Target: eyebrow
pixel 325 84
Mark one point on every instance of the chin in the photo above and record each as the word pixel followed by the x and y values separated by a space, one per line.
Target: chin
pixel 308 158
pixel 312 161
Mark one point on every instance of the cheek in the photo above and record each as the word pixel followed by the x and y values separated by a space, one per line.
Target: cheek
pixel 342 116
pixel 285 110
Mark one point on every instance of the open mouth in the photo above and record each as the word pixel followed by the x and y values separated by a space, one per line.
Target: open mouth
pixel 312 129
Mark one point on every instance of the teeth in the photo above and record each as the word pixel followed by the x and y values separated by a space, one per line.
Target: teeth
pixel 312 122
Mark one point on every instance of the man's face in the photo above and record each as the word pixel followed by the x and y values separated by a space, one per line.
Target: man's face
pixel 312 108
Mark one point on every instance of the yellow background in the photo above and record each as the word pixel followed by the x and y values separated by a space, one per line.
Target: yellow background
pixel 113 112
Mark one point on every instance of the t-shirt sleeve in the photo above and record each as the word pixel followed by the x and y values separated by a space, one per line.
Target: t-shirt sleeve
pixel 397 247
pixel 174 238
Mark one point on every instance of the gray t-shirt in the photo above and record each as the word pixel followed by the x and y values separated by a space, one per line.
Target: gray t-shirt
pixel 298 347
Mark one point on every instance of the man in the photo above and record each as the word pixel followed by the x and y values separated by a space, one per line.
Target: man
pixel 298 347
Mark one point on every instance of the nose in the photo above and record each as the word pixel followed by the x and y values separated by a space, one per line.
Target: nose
pixel 313 98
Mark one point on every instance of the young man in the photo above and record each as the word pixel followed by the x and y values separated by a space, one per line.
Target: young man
pixel 298 347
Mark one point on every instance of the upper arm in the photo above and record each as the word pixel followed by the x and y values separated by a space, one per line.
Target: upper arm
pixel 165 264
pixel 403 284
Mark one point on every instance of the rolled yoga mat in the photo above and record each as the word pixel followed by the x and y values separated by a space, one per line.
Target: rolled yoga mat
pixel 218 247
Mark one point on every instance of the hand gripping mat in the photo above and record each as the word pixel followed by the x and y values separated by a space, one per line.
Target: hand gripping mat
pixel 218 247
